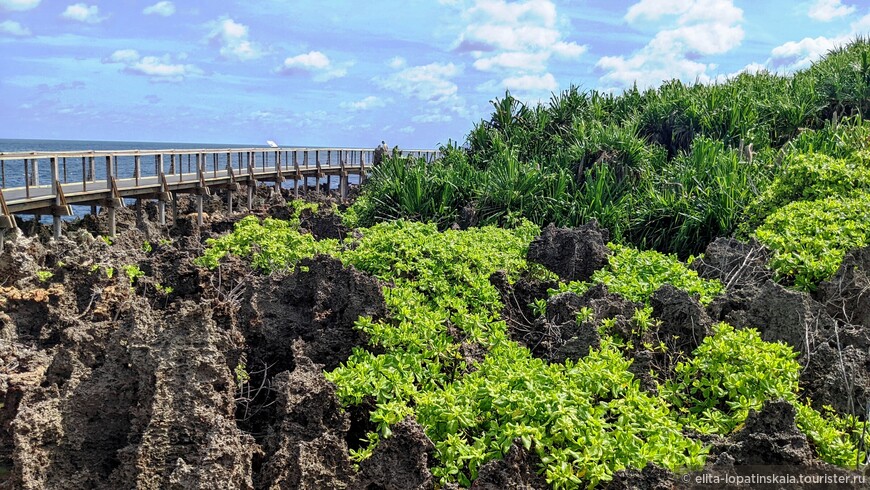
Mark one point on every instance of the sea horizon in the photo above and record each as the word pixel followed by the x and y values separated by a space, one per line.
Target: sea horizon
pixel 13 145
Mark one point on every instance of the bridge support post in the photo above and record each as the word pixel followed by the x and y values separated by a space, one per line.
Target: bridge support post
pixel 161 212
pixel 199 209
pixel 111 221
pixel 174 208
pixel 56 226
pixel 251 186
pixel 343 186
pixel 2 240
pixel 230 201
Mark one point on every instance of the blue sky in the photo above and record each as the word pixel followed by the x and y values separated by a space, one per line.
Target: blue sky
pixel 349 73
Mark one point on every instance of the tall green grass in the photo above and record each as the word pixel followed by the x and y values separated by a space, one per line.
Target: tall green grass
pixel 668 168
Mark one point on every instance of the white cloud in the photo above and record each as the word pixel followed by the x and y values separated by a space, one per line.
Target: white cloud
pixel 430 82
pixel 314 63
pixel 407 129
pixel 80 12
pixel 699 27
pixel 828 10
pixel 516 40
pixel 163 8
pixel 655 9
pixel 432 117
pixel 397 62
pixel 19 4
pixel 367 103
pixel 313 60
pixel 531 83
pixel 124 56
pixel 515 60
pixel 13 28
pixel 232 37
pixel 568 50
pixel 797 55
pixel 158 68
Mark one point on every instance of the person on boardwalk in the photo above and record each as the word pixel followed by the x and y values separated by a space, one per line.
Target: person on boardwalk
pixel 380 153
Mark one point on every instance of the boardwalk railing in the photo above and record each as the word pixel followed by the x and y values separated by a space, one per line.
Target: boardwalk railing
pixel 43 184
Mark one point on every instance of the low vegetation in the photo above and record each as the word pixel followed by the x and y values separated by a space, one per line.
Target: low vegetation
pixel 586 419
pixel 784 159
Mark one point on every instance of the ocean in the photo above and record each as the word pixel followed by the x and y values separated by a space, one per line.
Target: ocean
pixel 12 145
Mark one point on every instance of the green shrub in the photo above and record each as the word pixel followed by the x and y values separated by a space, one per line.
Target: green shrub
pixel 808 177
pixel 810 238
pixel 698 196
pixel 636 275
pixel 585 419
pixel 271 244
pixel 734 371
pixel 730 373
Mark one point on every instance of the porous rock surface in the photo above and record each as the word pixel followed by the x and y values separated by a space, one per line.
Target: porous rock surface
pixel 111 383
pixel 572 253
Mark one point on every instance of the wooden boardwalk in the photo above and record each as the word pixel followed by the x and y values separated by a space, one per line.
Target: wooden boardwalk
pixel 95 178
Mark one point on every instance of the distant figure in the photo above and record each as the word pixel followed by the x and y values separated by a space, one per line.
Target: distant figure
pixel 380 153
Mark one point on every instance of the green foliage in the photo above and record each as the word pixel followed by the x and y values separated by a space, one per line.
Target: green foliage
pixel 842 79
pixel 808 177
pixel 734 371
pixel 271 244
pixel 44 275
pixel 698 196
pixel 297 207
pixel 563 411
pixel 106 239
pixel 810 238
pixel 585 419
pixel 731 372
pixel 133 272
pixel 668 168
pixel 146 247
pixel 636 275
pixel 241 373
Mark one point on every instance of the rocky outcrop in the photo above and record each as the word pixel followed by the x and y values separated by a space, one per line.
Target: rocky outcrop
pixel 736 264
pixel 517 471
pixel 572 253
pixel 319 304
pixel 846 295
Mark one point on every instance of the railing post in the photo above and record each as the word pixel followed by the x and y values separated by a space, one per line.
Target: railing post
pixel 296 175
pixel 110 175
pixel 109 172
pixel 34 171
pixel 342 179
pixel 55 217
pixel 137 168
pixel 252 183
pixel 161 202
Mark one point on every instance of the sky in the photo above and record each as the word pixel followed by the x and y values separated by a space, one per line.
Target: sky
pixel 341 73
